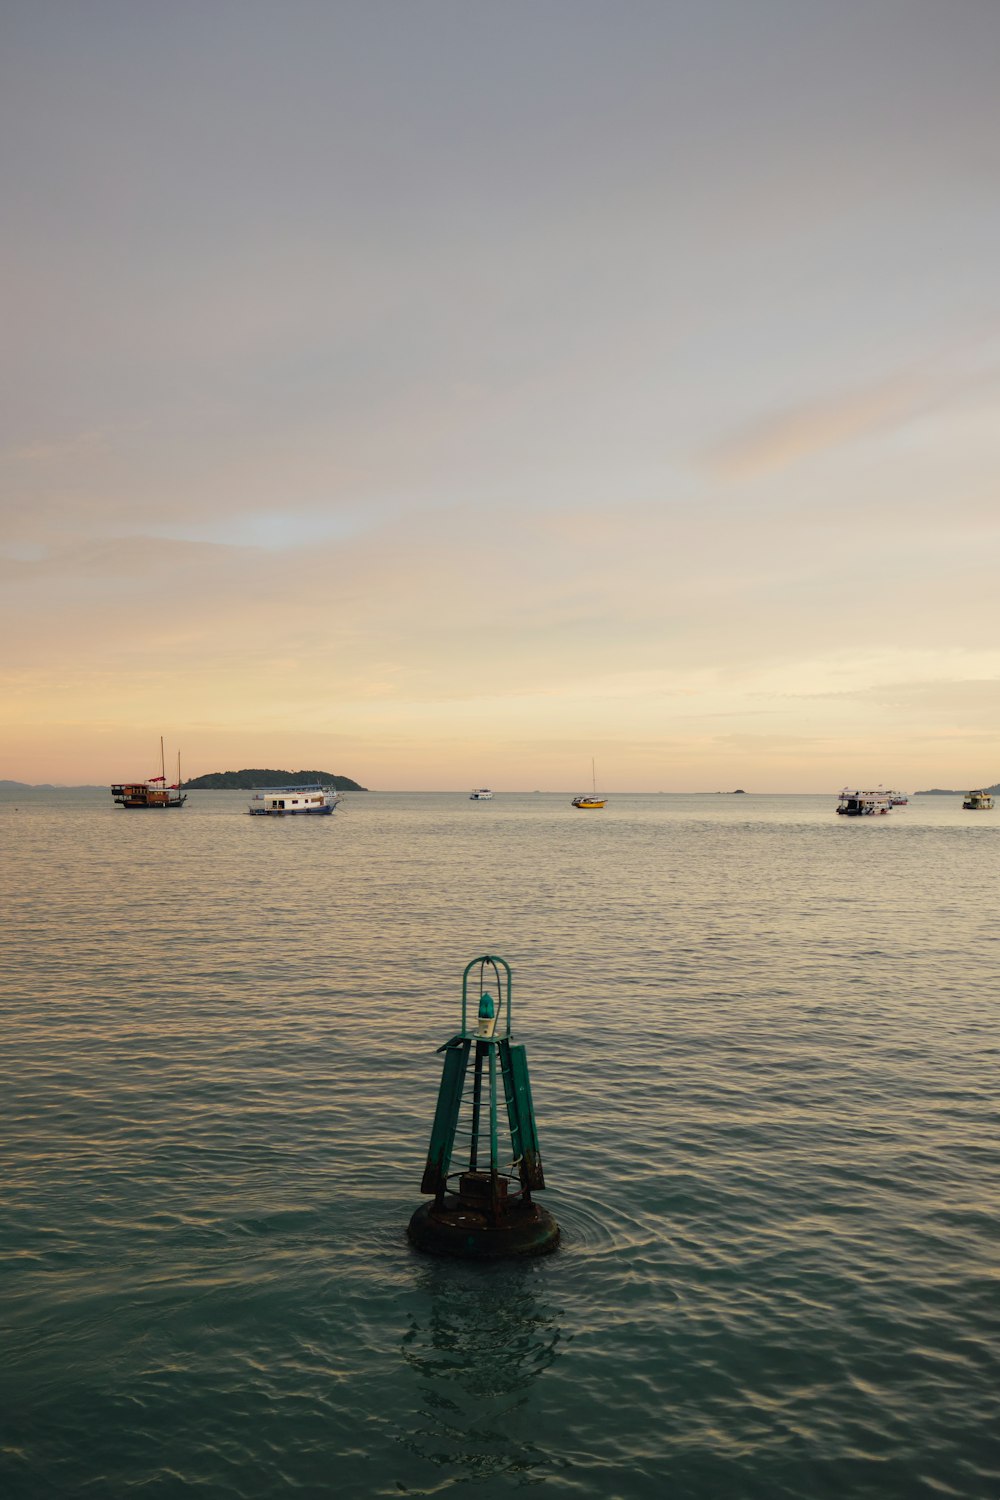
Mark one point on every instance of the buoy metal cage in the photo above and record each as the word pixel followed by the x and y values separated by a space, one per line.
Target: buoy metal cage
pixel 469 1104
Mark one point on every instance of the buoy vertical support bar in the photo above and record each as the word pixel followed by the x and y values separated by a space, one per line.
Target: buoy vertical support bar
pixel 456 1062
pixel 521 1113
pixel 493 1110
pixel 494 1150
pixel 477 1104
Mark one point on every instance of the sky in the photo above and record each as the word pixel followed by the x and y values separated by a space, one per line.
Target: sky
pixel 445 394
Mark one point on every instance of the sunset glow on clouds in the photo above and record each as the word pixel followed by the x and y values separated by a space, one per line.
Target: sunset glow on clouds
pixel 443 395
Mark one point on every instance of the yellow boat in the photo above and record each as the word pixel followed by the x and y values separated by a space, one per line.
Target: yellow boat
pixel 978 801
pixel 590 799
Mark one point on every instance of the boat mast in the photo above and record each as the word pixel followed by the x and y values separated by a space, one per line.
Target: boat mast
pixel 163 769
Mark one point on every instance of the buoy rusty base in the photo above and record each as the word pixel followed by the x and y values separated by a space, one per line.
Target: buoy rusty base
pixel 454 1228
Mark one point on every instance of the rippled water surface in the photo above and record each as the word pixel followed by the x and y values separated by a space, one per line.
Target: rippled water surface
pixel 763 1045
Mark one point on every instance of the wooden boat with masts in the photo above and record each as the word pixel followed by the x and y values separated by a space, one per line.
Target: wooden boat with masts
pixel 590 799
pixel 154 792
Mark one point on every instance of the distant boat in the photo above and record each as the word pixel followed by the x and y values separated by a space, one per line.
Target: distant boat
pixel 590 799
pixel 481 794
pixel 153 792
pixel 858 804
pixel 978 801
pixel 294 801
pixel 898 799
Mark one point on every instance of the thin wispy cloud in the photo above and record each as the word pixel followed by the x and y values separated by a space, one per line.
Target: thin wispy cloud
pixel 955 375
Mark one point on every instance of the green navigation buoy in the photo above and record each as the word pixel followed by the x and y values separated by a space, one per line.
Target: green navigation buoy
pixel 484 1211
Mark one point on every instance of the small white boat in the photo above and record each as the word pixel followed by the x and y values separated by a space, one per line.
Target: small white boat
pixel 285 801
pixel 481 794
pixel 898 799
pixel 858 804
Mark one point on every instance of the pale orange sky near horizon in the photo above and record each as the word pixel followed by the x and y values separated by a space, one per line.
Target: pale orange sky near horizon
pixel 443 396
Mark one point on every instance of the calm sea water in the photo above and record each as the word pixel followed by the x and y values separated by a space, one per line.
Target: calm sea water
pixel 763 1045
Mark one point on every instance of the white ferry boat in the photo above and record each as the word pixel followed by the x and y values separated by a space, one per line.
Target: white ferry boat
pixel 481 794
pixel 858 804
pixel 284 801
pixel 898 799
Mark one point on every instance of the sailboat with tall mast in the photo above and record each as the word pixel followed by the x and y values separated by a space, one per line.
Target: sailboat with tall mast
pixel 593 798
pixel 153 792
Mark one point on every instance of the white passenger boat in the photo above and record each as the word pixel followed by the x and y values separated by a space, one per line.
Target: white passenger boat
pixel 481 794
pixel 858 804
pixel 284 801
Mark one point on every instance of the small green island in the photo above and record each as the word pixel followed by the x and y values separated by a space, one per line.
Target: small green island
pixel 255 780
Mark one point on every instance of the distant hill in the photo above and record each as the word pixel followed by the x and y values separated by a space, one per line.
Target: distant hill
pixel 248 781
pixel 943 791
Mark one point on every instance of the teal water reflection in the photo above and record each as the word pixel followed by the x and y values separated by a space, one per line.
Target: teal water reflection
pixel 479 1349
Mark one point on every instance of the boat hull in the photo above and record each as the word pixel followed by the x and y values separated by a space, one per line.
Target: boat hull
pixel 135 797
pixel 291 812
pixel 150 806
